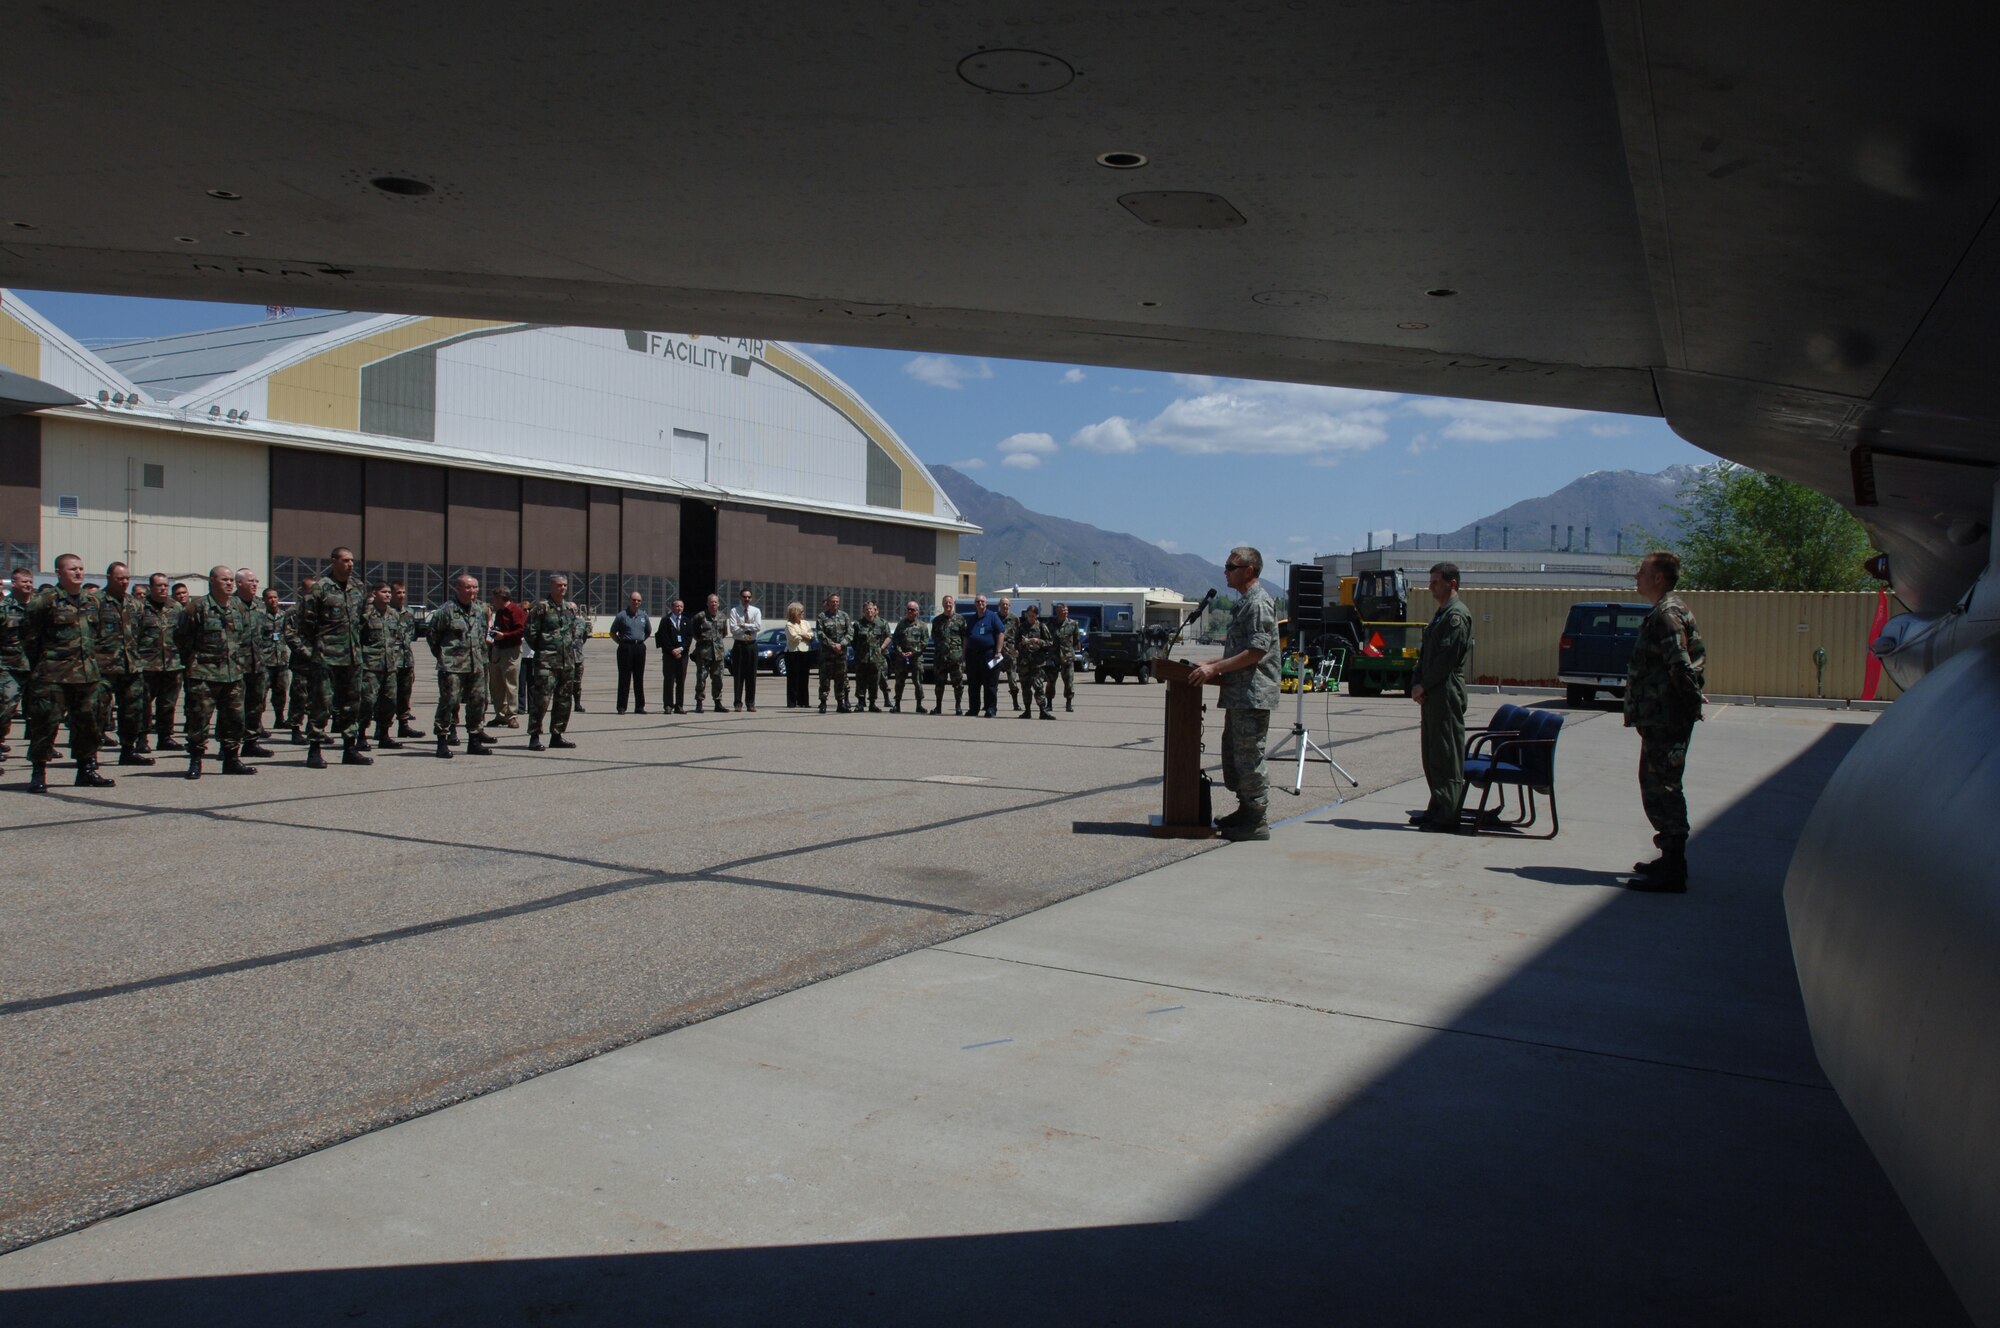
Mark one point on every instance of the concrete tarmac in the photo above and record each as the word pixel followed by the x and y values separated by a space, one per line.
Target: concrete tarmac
pixel 1355 1074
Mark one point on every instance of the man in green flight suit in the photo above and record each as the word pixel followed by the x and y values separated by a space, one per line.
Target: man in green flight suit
pixel 948 660
pixel 329 616
pixel 906 655
pixel 833 630
pixel 276 653
pixel 210 637
pixel 159 661
pixel 459 634
pixel 553 625
pixel 1440 692
pixel 1663 700
pixel 256 673
pixel 871 640
pixel 60 638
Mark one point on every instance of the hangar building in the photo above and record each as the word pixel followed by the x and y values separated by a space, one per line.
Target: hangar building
pixel 662 462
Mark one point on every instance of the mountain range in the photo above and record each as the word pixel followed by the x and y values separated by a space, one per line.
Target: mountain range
pixel 1019 545
pixel 1602 512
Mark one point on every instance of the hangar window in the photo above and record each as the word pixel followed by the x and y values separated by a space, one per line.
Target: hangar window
pixel 156 476
pixel 885 478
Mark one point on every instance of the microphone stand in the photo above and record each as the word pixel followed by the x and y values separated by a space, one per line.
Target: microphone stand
pixel 1302 736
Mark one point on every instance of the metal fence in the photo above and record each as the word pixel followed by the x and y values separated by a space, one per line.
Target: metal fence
pixel 1760 643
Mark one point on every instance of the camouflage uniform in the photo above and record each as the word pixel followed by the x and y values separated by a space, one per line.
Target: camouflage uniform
pixel 375 646
pixel 871 662
pixel 60 637
pixel 1068 635
pixel 1446 646
pixel 405 665
pixel 122 680
pixel 948 662
pixel 250 658
pixel 277 636
pixel 1028 647
pixel 458 644
pixel 1663 701
pixel 1006 666
pixel 552 631
pixel 579 638
pixel 906 659
pixel 1248 697
pixel 210 637
pixel 711 653
pixel 160 664
pixel 833 631
pixel 327 621
pixel 302 668
pixel 13 658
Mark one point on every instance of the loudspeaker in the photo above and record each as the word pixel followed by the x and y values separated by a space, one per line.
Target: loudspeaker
pixel 1305 594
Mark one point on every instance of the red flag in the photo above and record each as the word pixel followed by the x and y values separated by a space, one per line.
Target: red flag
pixel 1374 647
pixel 1871 674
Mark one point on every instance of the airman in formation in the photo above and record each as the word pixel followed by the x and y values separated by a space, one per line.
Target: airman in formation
pixel 834 631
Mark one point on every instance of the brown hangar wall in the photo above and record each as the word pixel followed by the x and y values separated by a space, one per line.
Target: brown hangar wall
pixel 20 492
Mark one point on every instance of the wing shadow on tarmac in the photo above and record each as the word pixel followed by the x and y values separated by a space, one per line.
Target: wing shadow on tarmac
pixel 1629 1130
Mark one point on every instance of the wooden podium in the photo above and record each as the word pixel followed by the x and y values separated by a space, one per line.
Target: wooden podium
pixel 1180 810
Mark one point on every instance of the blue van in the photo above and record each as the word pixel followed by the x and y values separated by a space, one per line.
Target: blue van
pixel 1596 647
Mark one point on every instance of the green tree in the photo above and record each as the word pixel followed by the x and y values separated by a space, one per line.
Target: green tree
pixel 1745 530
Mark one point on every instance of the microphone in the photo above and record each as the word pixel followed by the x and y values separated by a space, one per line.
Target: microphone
pixel 1202 607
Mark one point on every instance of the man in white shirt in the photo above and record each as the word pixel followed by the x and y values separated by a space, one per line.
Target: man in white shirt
pixel 745 621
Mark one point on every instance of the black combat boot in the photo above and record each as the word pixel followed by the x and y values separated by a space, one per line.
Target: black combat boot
pixel 444 748
pixel 257 749
pixel 405 729
pixel 1048 713
pixel 169 743
pixel 38 778
pixel 1069 706
pixel 450 736
pixel 1668 875
pixel 535 742
pixel 351 753
pixel 360 741
pixel 195 753
pixel 129 754
pixel 87 776
pixel 557 740
pixel 478 744
pixel 232 764
pixel 144 746
pixel 382 738
pixel 822 705
pixel 314 760
pixel 298 736
pixel 1027 714
pixel 842 708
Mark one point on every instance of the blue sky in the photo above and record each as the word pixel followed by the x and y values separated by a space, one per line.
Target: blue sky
pixel 1193 464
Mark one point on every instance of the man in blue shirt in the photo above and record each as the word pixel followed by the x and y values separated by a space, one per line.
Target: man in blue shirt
pixel 982 645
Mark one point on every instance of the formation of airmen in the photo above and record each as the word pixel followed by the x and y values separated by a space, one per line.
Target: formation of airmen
pixel 340 662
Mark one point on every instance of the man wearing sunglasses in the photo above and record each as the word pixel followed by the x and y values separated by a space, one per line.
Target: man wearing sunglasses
pixel 1248 674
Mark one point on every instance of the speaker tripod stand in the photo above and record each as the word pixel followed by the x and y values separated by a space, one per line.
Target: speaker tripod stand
pixel 1299 744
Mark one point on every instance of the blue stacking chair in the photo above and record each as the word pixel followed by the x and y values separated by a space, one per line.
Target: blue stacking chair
pixel 1523 759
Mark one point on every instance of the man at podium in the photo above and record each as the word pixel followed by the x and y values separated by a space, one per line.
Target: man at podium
pixel 1248 674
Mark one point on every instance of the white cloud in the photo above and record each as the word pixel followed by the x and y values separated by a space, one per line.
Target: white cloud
pixel 1612 429
pixel 1492 421
pixel 946 371
pixel 1171 546
pixel 1021 460
pixel 1039 443
pixel 819 348
pixel 970 463
pixel 1217 416
pixel 1072 375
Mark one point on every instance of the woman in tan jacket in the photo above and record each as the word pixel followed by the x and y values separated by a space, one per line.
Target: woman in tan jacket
pixel 798 653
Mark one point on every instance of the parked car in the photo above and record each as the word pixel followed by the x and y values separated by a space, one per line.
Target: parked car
pixel 771 650
pixel 1596 647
